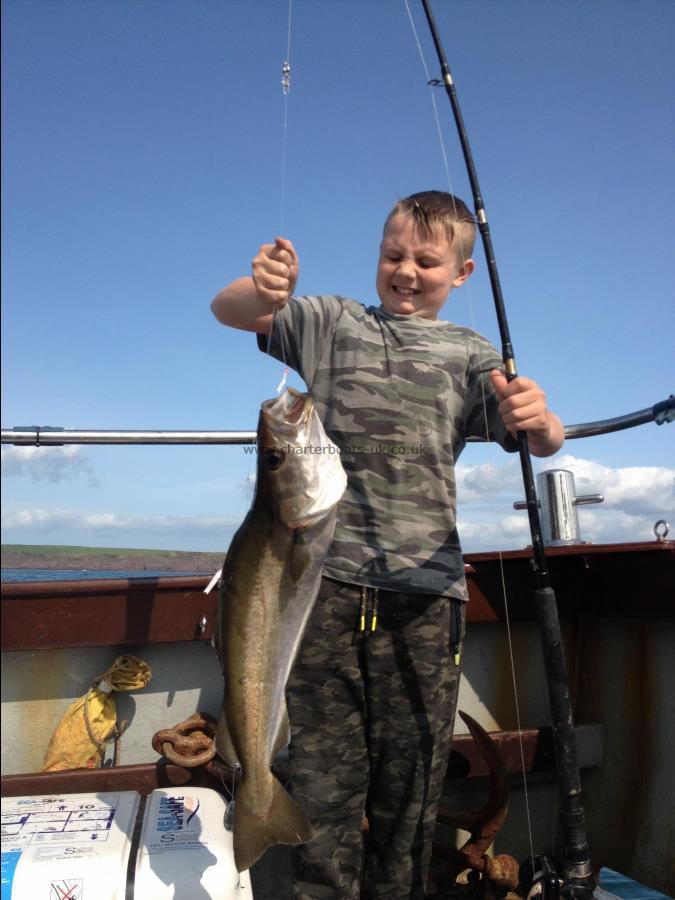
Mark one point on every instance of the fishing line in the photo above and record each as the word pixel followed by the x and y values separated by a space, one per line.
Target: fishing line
pixel 451 188
pixel 286 89
pixel 491 466
pixel 576 865
pixel 517 707
pixel 433 98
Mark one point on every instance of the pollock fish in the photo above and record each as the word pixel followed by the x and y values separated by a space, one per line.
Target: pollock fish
pixel 269 583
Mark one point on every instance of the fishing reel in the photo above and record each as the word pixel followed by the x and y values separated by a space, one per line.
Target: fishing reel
pixel 540 877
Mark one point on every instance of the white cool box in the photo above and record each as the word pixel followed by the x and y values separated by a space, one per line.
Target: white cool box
pixel 89 847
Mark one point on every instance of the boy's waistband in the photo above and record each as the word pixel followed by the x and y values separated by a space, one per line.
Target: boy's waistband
pixel 384 592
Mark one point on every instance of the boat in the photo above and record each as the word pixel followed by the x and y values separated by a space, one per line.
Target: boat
pixel 615 602
pixel 616 607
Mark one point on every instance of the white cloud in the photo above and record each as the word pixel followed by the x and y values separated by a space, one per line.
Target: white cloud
pixel 635 498
pixel 617 526
pixel 505 532
pixel 42 521
pixel 648 490
pixel 487 480
pixel 47 464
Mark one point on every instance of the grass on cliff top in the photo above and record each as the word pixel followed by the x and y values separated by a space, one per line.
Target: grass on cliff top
pixel 65 550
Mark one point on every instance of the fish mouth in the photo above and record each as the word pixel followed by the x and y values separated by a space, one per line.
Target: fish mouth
pixel 288 412
pixel 295 411
pixel 308 475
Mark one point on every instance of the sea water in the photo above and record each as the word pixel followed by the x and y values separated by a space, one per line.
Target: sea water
pixel 26 575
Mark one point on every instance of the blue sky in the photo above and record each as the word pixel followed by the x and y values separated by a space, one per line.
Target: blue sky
pixel 142 168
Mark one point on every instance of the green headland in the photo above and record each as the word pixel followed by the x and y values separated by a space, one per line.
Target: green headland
pixel 54 556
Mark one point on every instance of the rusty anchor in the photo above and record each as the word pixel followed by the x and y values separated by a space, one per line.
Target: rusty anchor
pixel 499 873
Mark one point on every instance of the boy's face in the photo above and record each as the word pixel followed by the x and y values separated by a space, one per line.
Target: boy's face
pixel 416 272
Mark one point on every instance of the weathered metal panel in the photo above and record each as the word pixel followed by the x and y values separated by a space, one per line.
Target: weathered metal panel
pixel 626 677
pixel 38 687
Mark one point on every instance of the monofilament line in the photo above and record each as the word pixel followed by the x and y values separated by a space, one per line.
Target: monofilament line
pixel 517 706
pixel 490 460
pixel 286 87
pixel 433 98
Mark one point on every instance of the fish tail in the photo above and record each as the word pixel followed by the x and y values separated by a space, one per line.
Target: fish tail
pixel 283 823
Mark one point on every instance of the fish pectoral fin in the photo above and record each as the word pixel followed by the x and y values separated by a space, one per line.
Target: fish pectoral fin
pixel 284 823
pixel 301 558
pixel 223 741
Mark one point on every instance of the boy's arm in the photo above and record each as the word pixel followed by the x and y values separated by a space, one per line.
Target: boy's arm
pixel 248 303
pixel 239 306
pixel 523 407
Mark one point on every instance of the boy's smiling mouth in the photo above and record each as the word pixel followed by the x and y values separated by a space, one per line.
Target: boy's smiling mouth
pixel 406 291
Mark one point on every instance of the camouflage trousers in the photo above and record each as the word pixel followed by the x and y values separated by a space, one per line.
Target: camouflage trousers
pixel 372 714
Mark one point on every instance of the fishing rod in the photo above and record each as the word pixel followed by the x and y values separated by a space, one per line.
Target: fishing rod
pixel 576 878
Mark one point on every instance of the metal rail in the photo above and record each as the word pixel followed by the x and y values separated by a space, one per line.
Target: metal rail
pixel 659 413
pixel 55 437
pixel 50 436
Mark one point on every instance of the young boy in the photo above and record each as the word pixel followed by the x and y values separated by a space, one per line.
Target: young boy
pixel 373 695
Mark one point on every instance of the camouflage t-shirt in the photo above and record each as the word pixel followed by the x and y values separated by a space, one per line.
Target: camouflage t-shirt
pixel 399 395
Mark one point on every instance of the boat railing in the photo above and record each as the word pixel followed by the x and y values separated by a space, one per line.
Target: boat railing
pixel 51 436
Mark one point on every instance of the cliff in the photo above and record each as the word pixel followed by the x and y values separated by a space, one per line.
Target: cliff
pixel 30 556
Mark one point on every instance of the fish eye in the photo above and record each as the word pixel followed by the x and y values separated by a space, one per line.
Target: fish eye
pixel 273 459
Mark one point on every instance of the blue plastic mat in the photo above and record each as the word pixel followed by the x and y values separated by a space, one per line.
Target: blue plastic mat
pixel 626 888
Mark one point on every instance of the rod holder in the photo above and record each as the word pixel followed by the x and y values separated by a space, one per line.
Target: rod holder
pixel 558 505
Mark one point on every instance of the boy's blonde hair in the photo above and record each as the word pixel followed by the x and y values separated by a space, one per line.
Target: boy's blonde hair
pixel 431 209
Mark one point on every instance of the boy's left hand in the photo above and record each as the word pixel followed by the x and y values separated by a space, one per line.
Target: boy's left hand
pixel 523 408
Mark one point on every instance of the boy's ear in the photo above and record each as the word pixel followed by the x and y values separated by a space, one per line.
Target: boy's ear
pixel 466 269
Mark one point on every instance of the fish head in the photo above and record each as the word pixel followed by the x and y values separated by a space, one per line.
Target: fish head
pixel 300 474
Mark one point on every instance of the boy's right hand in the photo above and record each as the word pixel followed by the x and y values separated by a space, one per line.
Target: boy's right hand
pixel 275 271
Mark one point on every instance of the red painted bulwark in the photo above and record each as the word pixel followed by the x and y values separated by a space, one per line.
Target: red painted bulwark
pixel 605 580
pixel 108 612
pixel 627 580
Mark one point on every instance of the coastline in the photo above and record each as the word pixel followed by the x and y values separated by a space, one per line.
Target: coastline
pixel 26 556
